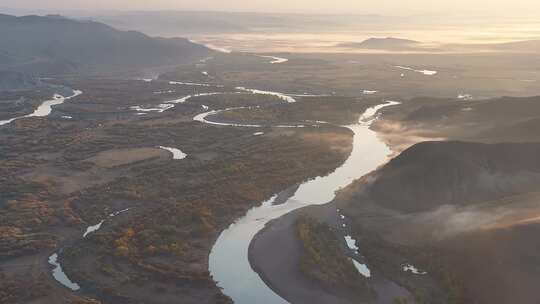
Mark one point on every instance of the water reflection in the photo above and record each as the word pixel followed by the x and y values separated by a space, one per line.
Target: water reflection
pixel 229 264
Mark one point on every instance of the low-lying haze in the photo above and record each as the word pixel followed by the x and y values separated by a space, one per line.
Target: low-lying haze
pixel 390 7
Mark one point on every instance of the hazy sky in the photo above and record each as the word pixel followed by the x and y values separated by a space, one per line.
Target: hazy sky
pixel 391 7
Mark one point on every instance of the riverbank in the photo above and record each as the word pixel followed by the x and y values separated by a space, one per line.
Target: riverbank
pixel 64 176
pixel 389 237
pixel 100 153
pixel 411 236
pixel 275 252
pixel 237 278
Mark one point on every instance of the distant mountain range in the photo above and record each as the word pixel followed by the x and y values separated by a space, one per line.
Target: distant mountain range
pixel 50 45
pixel 388 43
pixel 524 46
pixel 174 23
pixel 398 44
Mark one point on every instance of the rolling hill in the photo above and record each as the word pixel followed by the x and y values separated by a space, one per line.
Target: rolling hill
pixel 388 43
pixel 432 174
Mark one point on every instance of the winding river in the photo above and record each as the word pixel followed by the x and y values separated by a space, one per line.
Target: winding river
pixel 45 108
pixel 58 272
pixel 425 72
pixel 274 59
pixel 228 261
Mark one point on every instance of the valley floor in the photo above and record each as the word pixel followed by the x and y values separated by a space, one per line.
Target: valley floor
pixel 132 222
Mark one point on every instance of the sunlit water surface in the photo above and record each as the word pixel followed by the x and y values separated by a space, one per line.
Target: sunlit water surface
pixel 229 264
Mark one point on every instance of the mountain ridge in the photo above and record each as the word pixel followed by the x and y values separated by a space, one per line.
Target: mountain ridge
pixel 431 174
pixel 53 44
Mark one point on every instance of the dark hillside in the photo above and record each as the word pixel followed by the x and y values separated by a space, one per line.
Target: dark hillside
pixel 432 174
pixel 53 44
